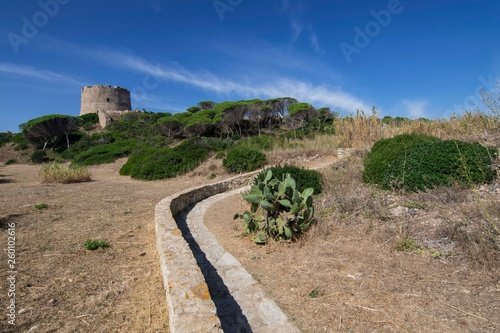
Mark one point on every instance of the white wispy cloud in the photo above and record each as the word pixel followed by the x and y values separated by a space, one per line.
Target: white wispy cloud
pixel 321 95
pixel 296 28
pixel 415 108
pixel 40 74
pixel 315 43
pixel 299 25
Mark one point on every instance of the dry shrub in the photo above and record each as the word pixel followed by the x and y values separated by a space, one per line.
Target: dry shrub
pixel 347 197
pixel 320 145
pixel 477 233
pixel 63 174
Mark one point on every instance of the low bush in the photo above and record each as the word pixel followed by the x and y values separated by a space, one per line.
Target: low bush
pixel 39 156
pixel 5 137
pixel 161 163
pixel 84 143
pixel 94 244
pixel 11 161
pixel 304 178
pixel 243 159
pixel 107 153
pixel 417 162
pixel 41 206
pixel 86 120
pixel 263 142
pixel 59 173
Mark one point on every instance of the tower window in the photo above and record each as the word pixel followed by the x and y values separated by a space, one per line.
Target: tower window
pixel 107 100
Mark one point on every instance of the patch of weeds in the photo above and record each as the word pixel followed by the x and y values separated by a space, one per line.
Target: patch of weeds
pixel 212 176
pixel 94 244
pixel 11 161
pixel 316 293
pixel 41 206
pixel 407 244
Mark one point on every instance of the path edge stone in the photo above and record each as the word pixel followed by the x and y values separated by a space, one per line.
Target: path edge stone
pixel 190 306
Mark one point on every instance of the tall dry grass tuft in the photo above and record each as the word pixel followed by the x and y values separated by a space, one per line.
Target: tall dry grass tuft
pixel 362 131
pixel 63 174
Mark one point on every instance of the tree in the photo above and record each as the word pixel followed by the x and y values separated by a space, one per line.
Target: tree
pixel 169 127
pixel 193 109
pixel 324 115
pixel 49 130
pixel 300 114
pixel 205 105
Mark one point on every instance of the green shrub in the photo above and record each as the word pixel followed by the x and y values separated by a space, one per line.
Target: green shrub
pixel 263 142
pixel 41 206
pixel 20 141
pixel 11 161
pixel 278 210
pixel 5 137
pixel 417 162
pixel 89 118
pixel 385 152
pixel 39 156
pixel 304 178
pixel 21 146
pixel 107 153
pixel 84 143
pixel 242 159
pixel 94 244
pixel 161 163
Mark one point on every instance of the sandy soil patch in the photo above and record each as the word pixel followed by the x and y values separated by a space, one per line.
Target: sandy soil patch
pixel 61 287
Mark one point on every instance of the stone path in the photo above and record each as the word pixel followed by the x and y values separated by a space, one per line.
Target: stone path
pixel 241 304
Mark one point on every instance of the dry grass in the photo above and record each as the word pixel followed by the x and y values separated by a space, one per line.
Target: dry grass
pixel 63 174
pixel 320 145
pixel 362 131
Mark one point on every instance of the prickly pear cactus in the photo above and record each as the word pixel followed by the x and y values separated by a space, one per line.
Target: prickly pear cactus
pixel 277 210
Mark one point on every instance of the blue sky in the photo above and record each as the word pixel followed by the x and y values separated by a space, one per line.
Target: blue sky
pixel 409 58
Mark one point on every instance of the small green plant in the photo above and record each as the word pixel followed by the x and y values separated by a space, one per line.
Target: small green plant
pixel 407 244
pixel 94 244
pixel 243 159
pixel 316 292
pixel 278 210
pixel 41 206
pixel 60 173
pixel 11 161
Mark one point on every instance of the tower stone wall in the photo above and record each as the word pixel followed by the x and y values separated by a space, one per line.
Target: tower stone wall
pixel 104 98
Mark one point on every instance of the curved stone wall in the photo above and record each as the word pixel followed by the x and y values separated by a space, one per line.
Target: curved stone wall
pixel 190 306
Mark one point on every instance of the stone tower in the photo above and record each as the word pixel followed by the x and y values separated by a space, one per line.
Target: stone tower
pixel 104 98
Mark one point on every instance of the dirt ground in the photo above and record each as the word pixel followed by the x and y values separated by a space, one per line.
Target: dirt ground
pixel 61 286
pixel 350 277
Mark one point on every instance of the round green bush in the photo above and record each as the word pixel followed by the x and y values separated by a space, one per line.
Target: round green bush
pixel 161 163
pixel 304 178
pixel 416 162
pixel 39 156
pixel 243 159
